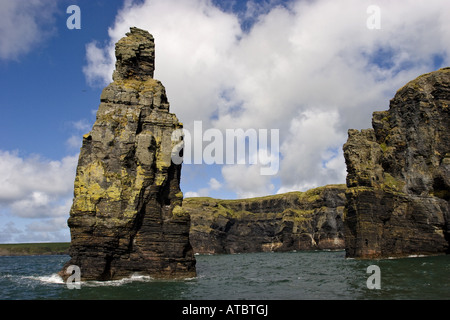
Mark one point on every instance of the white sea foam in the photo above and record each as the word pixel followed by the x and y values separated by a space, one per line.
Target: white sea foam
pixel 120 282
pixel 132 278
pixel 56 279
pixel 53 278
pixel 410 256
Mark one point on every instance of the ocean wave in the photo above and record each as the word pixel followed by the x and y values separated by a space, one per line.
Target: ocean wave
pixel 33 280
pixel 410 256
pixel 117 283
pixel 56 279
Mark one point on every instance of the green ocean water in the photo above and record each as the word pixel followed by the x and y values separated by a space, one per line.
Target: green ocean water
pixel 253 276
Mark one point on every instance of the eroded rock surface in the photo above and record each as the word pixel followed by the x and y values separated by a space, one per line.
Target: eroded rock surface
pixel 126 215
pixel 293 221
pixel 399 174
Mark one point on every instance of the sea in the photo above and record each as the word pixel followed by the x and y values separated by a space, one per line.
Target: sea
pixel 302 275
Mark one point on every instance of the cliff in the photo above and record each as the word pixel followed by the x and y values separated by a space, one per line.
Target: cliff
pixel 399 174
pixel 126 215
pixel 291 221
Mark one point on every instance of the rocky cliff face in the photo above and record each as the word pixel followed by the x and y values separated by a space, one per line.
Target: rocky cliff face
pixel 126 215
pixel 399 174
pixel 285 222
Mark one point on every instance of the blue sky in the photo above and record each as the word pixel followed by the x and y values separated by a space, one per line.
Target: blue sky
pixel 311 69
pixel 44 89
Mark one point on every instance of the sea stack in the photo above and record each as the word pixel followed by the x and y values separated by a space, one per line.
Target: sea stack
pixel 399 175
pixel 127 216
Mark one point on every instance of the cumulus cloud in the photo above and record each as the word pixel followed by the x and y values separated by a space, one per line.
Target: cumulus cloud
pixel 213 185
pixel 38 189
pixel 8 232
pixel 246 180
pixel 44 230
pixel 100 63
pixel 23 25
pixel 311 69
pixel 34 179
pixel 313 150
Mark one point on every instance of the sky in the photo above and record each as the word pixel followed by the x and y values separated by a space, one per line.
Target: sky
pixel 310 69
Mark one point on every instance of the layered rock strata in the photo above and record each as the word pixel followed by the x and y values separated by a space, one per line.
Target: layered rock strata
pixel 126 215
pixel 285 222
pixel 399 174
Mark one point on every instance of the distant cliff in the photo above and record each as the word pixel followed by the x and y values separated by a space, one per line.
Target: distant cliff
pixel 291 221
pixel 399 174
pixel 34 249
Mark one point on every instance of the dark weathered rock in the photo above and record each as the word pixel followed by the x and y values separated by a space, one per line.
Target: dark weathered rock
pixel 292 221
pixel 126 215
pixel 399 174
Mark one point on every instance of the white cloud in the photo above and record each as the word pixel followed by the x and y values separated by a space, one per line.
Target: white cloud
pixel 246 180
pixel 8 232
pixel 37 190
pixel 214 184
pixel 34 187
pixel 23 25
pixel 312 150
pixel 191 194
pixel 100 63
pixel 309 68
pixel 48 225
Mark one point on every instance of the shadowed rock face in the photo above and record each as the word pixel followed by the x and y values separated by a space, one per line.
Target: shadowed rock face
pixel 126 215
pixel 399 174
pixel 292 221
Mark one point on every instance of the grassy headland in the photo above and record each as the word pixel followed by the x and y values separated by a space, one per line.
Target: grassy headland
pixel 29 249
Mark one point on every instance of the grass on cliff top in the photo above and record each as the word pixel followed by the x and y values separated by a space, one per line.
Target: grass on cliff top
pixel 235 209
pixel 309 195
pixel 25 249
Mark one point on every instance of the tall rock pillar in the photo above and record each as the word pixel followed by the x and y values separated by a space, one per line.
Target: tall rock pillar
pixel 126 215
